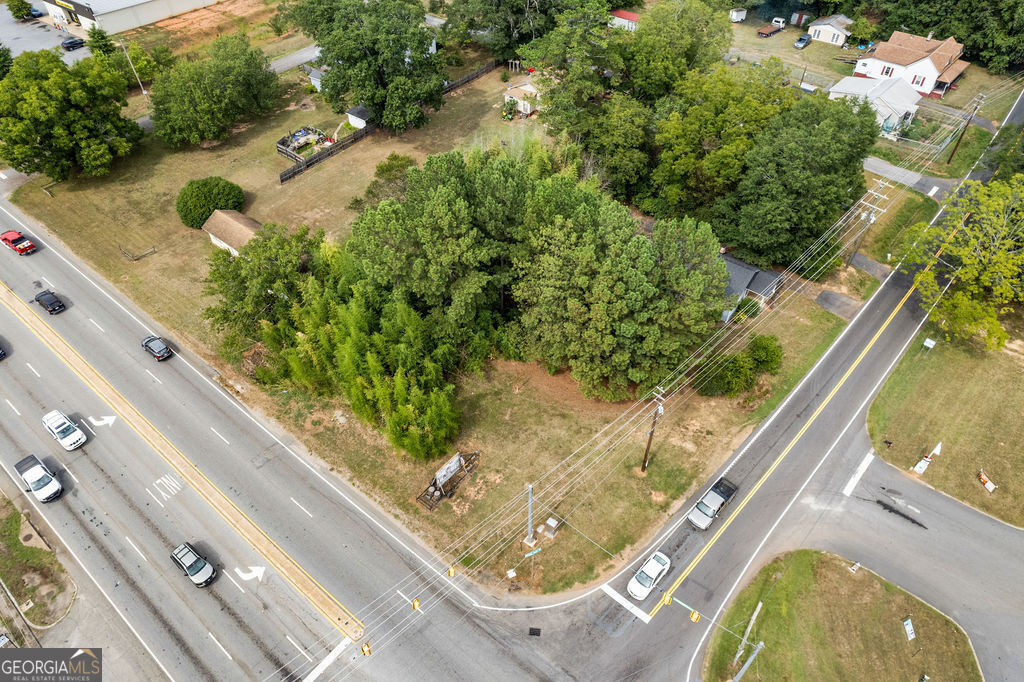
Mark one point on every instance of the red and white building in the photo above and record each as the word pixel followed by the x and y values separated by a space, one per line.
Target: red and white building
pixel 930 66
pixel 621 18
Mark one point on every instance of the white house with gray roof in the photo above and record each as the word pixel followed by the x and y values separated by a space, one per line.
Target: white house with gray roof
pixel 831 29
pixel 893 99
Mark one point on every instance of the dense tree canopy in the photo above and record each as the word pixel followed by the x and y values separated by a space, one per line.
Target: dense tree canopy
pixel 379 55
pixel 621 143
pixel 504 25
pixel 201 100
pixel 19 9
pixel 803 168
pixel 578 61
pixel 982 259
pixel 490 252
pixel 58 119
pixel 672 38
pixel 707 128
pixel 6 60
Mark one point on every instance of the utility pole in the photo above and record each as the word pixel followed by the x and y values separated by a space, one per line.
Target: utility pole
pixel 529 516
pixel 650 436
pixel 977 105
pixel 757 650
pixel 121 43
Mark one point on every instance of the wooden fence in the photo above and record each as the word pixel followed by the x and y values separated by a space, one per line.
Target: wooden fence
pixel 326 153
pixel 301 163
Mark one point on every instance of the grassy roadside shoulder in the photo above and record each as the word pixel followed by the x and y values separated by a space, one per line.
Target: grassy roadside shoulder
pixel 819 621
pixel 956 394
pixel 32 574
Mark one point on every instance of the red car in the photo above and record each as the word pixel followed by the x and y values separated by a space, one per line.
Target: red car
pixel 18 242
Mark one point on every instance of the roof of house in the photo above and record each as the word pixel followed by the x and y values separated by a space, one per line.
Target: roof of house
pixel 744 277
pixel 311 71
pixel 625 14
pixel 837 21
pixel 231 227
pixel 523 91
pixel 894 94
pixel 359 111
pixel 906 48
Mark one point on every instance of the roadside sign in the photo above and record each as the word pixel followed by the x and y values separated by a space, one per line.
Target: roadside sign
pixel 3 640
pixel 532 552
pixel 909 627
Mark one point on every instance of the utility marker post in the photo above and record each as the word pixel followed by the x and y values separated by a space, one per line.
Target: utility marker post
pixel 650 436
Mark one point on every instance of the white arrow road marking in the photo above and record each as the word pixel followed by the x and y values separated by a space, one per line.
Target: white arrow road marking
pixel 102 421
pixel 253 572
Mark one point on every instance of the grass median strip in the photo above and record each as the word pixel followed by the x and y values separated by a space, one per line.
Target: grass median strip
pixel 820 621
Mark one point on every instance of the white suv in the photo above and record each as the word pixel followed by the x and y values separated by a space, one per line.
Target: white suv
pixel 63 430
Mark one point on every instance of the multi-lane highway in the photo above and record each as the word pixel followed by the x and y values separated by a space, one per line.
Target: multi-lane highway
pixel 169 454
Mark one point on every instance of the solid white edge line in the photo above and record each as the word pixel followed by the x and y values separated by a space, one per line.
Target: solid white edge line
pixel 136 549
pixel 220 436
pixel 154 377
pixel 13 407
pixel 34 370
pixel 626 604
pixel 328 660
pixel 861 468
pixel 154 498
pixel 70 551
pixel 97 325
pixel 233 582
pixel 856 414
pixel 300 506
pixel 300 649
pixel 220 645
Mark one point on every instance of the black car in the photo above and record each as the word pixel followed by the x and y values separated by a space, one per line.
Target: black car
pixel 72 44
pixel 49 300
pixel 157 348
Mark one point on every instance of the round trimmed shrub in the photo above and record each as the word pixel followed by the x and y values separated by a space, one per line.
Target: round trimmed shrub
pixel 766 352
pixel 200 198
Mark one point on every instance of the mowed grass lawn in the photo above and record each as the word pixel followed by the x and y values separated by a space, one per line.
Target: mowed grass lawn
pixel 882 239
pixel 969 399
pixel 133 207
pixel 819 621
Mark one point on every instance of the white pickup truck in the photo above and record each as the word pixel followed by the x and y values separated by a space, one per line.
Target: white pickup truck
pixel 706 510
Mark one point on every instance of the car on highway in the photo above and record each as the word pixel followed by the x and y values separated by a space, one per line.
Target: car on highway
pixel 156 347
pixel 193 564
pixel 63 430
pixel 653 570
pixel 706 510
pixel 18 242
pixel 49 300
pixel 803 41
pixel 70 44
pixel 40 481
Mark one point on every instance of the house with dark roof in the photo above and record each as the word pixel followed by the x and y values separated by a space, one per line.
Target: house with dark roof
pixel 359 116
pixel 315 75
pixel 930 66
pixel 230 230
pixel 831 29
pixel 621 18
pixel 748 281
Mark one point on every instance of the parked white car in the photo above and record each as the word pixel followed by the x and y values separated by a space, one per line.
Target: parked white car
pixel 641 584
pixel 63 430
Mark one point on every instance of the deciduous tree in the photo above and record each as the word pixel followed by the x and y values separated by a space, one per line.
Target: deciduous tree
pixel 622 143
pixel 803 168
pixel 19 9
pixel 504 25
pixel 6 60
pixel 672 38
pixel 99 41
pixel 982 260
pixel 58 119
pixel 379 55
pixel 201 100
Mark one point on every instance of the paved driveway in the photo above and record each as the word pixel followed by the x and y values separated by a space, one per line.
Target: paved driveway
pixel 34 35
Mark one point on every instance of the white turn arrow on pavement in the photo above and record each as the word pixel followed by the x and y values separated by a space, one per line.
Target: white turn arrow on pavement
pixel 102 421
pixel 253 572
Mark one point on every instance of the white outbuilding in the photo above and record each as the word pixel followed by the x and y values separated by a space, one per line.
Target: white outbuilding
pixel 114 16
